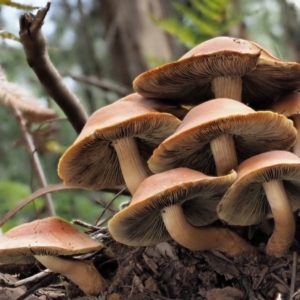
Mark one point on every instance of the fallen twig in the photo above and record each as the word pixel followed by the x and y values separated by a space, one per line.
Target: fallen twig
pixel 37 167
pixel 293 275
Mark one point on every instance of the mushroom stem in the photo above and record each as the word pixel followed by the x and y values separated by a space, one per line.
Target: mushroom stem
pixel 202 238
pixel 133 168
pixel 284 224
pixel 82 273
pixel 296 147
pixel 227 87
pixel 223 150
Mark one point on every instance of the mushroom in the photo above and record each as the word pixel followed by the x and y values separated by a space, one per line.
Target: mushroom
pixel 166 204
pixel 215 135
pixel 289 106
pixel 48 238
pixel 213 69
pixel 268 185
pixel 221 67
pixel 176 110
pixel 120 136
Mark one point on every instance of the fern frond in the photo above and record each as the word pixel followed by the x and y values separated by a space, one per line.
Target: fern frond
pixel 18 5
pixel 8 35
pixel 203 20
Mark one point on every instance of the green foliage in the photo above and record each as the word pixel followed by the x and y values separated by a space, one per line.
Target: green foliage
pixel 11 192
pixel 202 20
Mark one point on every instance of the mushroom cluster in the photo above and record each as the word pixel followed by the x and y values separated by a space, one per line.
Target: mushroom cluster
pixel 228 157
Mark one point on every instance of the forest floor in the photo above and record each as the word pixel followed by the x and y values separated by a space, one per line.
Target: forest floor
pixel 168 271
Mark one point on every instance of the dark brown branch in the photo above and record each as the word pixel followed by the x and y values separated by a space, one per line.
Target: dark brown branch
pixel 34 44
pixel 104 84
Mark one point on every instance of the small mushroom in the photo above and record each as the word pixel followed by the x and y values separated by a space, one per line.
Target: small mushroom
pixel 268 185
pixel 222 67
pixel 218 134
pixel 166 204
pixel 289 106
pixel 48 238
pixel 120 136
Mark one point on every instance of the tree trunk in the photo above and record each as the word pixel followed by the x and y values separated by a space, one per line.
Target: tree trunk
pixel 134 41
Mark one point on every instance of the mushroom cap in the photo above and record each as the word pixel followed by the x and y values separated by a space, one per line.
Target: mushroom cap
pixel 49 236
pixel 245 202
pixel 287 105
pixel 253 133
pixel 188 80
pixel 159 105
pixel 92 163
pixel 141 224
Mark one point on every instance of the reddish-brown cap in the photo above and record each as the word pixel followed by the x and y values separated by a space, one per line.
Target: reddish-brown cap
pixel 245 202
pixel 159 105
pixel 92 163
pixel 188 80
pixel 49 236
pixel 288 104
pixel 253 133
pixel 141 224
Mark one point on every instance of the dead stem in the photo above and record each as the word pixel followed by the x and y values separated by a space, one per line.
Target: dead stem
pixel 37 167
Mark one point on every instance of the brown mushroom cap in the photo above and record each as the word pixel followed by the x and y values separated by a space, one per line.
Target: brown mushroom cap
pixel 49 236
pixel 289 106
pixel 245 202
pixel 92 162
pixel 141 224
pixel 161 106
pixel 253 133
pixel 188 81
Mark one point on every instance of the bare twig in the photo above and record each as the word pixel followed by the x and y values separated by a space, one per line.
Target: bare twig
pixel 31 279
pixel 34 45
pixel 279 280
pixel 49 189
pixel 35 158
pixel 85 225
pixel 31 197
pixel 104 84
pixel 108 204
pixel 293 275
pixel 41 283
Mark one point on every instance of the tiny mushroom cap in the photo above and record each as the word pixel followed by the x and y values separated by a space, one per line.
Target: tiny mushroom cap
pixel 120 136
pixel 268 185
pixel 48 238
pixel 160 106
pixel 166 204
pixel 217 134
pixel 221 67
pixel 289 106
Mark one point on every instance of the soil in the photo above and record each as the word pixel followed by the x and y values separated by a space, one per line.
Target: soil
pixel 168 271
